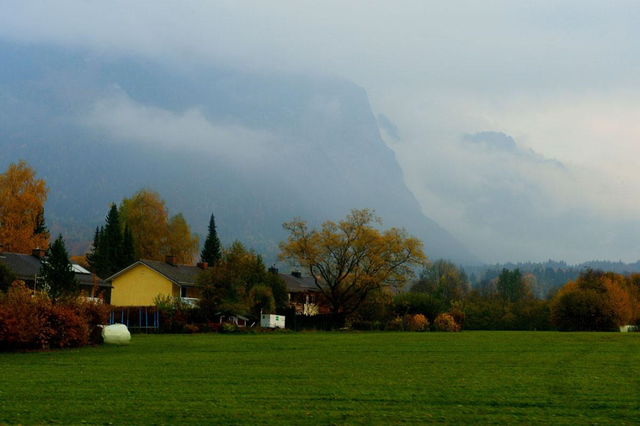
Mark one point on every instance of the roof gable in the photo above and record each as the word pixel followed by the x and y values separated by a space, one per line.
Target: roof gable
pixel 300 284
pixel 182 275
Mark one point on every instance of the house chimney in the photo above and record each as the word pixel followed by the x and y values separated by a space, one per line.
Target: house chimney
pixel 273 270
pixel 203 265
pixel 171 260
pixel 38 252
pixel 297 274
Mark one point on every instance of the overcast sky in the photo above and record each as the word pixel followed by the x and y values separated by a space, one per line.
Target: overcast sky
pixel 559 79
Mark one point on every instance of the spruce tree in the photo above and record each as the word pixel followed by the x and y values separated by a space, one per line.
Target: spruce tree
pixel 111 243
pixel 211 251
pixel 40 228
pixel 112 248
pixel 128 248
pixel 58 276
pixel 94 259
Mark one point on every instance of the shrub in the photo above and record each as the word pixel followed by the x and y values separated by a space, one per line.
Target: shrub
pixel 229 327
pixel 69 326
pixel 418 303
pixel 416 322
pixel 96 314
pixel 190 329
pixel 458 314
pixel 24 319
pixel 30 321
pixel 445 322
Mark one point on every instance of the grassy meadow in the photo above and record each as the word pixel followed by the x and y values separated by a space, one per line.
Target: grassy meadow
pixel 331 378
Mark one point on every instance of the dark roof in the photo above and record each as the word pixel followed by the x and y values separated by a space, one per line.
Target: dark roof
pixel 298 284
pixel 27 267
pixel 183 275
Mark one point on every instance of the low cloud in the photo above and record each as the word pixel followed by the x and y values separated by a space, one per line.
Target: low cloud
pixel 123 120
pixel 507 202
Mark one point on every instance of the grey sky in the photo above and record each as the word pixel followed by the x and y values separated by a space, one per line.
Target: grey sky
pixel 560 78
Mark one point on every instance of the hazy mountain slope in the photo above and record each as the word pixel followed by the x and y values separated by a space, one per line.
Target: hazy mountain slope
pixel 255 149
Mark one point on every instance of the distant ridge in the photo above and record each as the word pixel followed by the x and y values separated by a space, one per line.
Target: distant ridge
pixel 256 149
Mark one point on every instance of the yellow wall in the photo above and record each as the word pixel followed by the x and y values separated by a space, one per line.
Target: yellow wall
pixel 139 286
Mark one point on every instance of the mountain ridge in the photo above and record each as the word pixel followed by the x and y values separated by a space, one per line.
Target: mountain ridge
pixel 256 150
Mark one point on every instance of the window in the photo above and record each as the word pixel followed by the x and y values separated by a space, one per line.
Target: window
pixel 183 292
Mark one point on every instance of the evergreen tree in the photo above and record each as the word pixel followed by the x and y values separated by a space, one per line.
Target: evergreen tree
pixel 112 242
pixel 128 248
pixel 112 248
pixel 40 228
pixel 94 259
pixel 58 276
pixel 211 251
pixel 7 277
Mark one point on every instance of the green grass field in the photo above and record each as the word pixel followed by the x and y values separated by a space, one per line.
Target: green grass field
pixel 331 378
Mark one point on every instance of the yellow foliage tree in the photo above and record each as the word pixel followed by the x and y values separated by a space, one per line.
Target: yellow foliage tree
pixel 22 199
pixel 180 242
pixel 351 259
pixel 154 234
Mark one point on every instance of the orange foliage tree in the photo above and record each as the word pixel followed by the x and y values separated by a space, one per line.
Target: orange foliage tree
pixel 596 301
pixel 180 242
pixel 22 199
pixel 154 234
pixel 352 259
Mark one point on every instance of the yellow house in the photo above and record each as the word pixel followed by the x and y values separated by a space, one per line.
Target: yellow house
pixel 140 283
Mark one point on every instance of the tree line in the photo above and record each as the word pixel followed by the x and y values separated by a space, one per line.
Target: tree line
pixel 360 271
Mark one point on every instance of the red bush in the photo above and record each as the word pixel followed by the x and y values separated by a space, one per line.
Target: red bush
pixel 24 319
pixel 69 325
pixel 30 321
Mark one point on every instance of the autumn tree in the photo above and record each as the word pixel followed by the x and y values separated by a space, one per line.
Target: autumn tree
pixel 261 300
pixel 148 219
pixel 154 235
pixel 239 283
pixel 22 198
pixel 596 301
pixel 59 278
pixel 180 242
pixel 351 258
pixel 444 281
pixel 211 251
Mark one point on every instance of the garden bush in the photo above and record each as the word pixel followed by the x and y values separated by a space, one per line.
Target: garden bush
pixel 228 327
pixel 416 322
pixel 446 322
pixel 29 321
pixel 190 329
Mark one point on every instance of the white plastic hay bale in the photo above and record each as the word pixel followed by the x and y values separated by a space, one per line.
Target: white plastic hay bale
pixel 116 334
